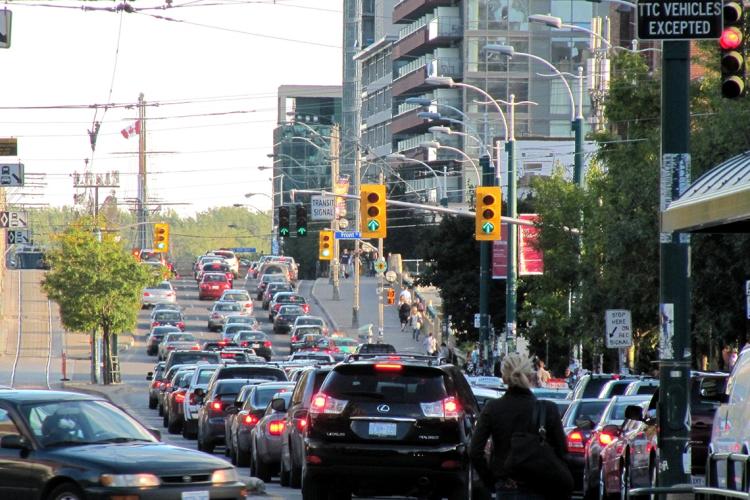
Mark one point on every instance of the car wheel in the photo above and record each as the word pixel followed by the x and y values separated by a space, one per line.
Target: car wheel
pixel 262 469
pixel 152 402
pixel 174 427
pixel 314 489
pixel 283 474
pixel 66 491
pixel 243 458
pixel 160 409
pixel 624 482
pixel 603 495
pixel 295 473
pixel 208 447
pixel 165 420
pixel 186 432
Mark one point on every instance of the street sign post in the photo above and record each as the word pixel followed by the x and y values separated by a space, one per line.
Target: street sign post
pixel 11 174
pixel 13 220
pixel 18 237
pixel 347 235
pixel 672 20
pixel 619 332
pixel 322 207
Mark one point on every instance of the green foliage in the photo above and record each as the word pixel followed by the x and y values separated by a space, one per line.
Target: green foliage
pixel 98 285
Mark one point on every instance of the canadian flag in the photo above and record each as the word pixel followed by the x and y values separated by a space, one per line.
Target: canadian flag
pixel 133 129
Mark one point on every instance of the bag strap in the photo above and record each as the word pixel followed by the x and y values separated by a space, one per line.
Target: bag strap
pixel 541 419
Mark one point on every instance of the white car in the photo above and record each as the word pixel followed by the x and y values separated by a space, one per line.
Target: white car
pixel 240 296
pixel 163 292
pixel 232 260
pixel 191 405
pixel 311 321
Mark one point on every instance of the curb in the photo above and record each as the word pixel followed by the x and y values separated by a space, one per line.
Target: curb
pixel 334 324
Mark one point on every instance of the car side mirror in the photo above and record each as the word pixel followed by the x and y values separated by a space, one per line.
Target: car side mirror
pixel 150 376
pixel 155 432
pixel 199 393
pixel 14 442
pixel 584 424
pixel 278 404
pixel 634 412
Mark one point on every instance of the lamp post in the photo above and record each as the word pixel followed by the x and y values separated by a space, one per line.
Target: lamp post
pixel 402 157
pixel 437 145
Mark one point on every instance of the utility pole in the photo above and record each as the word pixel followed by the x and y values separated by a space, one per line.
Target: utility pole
pixel 142 200
pixel 350 91
pixel 357 244
pixel 485 253
pixel 381 180
pixel 335 157
pixel 510 291
pixel 674 270
pixel 578 129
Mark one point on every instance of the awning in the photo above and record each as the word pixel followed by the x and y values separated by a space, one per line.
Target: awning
pixel 718 202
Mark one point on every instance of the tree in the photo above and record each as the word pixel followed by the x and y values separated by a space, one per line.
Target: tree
pixel 97 285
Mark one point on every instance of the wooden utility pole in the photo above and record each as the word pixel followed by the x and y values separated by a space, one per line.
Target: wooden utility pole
pixel 142 199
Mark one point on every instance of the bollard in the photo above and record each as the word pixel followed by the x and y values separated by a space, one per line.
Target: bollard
pixel 64 361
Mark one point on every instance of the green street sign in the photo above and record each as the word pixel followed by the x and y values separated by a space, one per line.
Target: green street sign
pixel 301 231
pixel 284 231
pixel 373 225
pixel 488 227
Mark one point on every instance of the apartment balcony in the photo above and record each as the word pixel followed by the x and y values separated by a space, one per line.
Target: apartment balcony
pixel 425 35
pixel 408 10
pixel 409 122
pixel 412 147
pixel 411 77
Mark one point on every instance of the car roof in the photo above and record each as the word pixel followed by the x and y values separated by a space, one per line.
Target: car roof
pixel 36 395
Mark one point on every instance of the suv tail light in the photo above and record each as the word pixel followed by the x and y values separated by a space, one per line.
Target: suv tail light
pixel 301 424
pixel 250 420
pixel 446 408
pixel 324 404
pixel 267 343
pixel 306 308
pixel 216 405
pixel 181 325
pixel 275 427
pixel 576 442
pixel 179 396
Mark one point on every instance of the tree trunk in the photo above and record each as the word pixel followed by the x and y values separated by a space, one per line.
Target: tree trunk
pixel 94 360
pixel 107 355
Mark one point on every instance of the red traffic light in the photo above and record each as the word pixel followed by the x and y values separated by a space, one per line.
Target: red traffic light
pixel 731 38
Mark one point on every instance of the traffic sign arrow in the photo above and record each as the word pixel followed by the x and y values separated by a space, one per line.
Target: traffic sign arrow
pixel 488 227
pixel 301 231
pixel 373 225
pixel 284 231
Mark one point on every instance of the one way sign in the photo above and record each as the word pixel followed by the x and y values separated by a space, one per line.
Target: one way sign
pixel 11 174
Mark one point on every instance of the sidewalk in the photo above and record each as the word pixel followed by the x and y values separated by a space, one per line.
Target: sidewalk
pixel 339 313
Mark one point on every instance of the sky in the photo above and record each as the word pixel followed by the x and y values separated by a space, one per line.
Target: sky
pixel 209 77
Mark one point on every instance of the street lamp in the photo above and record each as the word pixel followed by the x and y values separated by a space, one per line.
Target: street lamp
pixel 402 157
pixel 437 145
pixel 556 22
pixel 440 129
pixel 429 115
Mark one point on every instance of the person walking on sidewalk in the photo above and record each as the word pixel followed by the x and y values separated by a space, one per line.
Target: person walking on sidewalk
pixel 430 344
pixel 403 314
pixel 415 321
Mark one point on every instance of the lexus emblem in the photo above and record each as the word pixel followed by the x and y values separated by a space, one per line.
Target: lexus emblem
pixel 187 479
pixel 384 408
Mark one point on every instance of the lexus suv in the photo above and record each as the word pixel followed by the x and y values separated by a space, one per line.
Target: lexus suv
pixel 390 425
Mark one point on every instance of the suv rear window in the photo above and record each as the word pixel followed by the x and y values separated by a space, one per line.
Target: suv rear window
pixel 204 377
pixel 230 386
pixel 594 387
pixel 407 384
pixel 254 372
pixel 190 357
pixel 240 297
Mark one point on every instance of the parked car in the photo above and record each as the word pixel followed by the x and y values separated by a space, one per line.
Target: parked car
pixel 285 317
pixel 242 297
pixel 218 398
pixel 218 313
pixel 64 445
pixel 156 336
pixel 162 292
pixel 607 430
pixel 255 340
pixel 248 414
pixel 266 437
pixel 177 341
pixel 212 285
pixel 174 318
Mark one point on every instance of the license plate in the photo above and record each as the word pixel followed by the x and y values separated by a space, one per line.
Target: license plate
pixel 214 287
pixel 195 495
pixel 698 480
pixel 382 429
pixel 255 346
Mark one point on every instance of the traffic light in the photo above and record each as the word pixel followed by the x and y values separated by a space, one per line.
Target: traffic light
pixel 487 226
pixel 325 245
pixel 283 221
pixel 732 43
pixel 372 211
pixel 301 221
pixel 161 237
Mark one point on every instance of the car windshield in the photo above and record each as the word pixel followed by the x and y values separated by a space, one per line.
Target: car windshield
pixel 204 376
pixel 314 330
pixel 408 384
pixel 235 328
pixel 586 410
pixel 270 278
pixel 290 299
pixel 309 321
pixel 291 310
pixel 182 379
pixel 616 412
pixel 252 336
pixel 74 423
pixel 263 395
pixel 163 286
pixel 239 297
pixel 215 278
pixel 180 337
pixel 240 319
pixel 160 331
pixel 167 316
pixel 231 306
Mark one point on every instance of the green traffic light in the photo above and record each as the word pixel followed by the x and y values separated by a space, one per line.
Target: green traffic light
pixel 373 225
pixel 302 231
pixel 488 227
pixel 284 231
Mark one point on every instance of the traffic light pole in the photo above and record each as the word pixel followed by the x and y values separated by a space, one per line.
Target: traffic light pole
pixel 485 251
pixel 674 261
pixel 357 246
pixel 335 271
pixel 510 284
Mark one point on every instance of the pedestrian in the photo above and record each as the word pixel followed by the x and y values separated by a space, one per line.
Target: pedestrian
pixel 430 344
pixel 444 353
pixel 415 321
pixel 507 420
pixel 543 375
pixel 405 296
pixel 403 314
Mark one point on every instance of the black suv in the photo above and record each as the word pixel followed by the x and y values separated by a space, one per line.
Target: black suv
pixel 590 385
pixel 390 425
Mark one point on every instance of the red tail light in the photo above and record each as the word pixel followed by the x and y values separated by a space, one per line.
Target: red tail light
pixel 216 405
pixel 181 325
pixel 276 427
pixel 204 285
pixel 388 367
pixel 154 323
pixel 324 404
pixel 244 343
pixel 294 338
pixel 248 304
pixel 576 442
pixel 267 343
pixel 447 408
pixel 179 397
pixel 306 308
pixel 605 439
pixel 166 386
pixel 170 348
pixel 250 420
pixel 195 348
pixel 301 424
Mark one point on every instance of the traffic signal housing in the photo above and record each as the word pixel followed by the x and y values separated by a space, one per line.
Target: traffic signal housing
pixel 301 221
pixel 372 211
pixel 732 44
pixel 283 221
pixel 161 237
pixel 325 245
pixel 487 226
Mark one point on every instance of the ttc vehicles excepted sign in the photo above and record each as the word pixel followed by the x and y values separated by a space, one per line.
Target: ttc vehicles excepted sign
pixel 679 20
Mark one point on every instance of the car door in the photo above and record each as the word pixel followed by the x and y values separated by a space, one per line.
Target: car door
pixel 15 468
